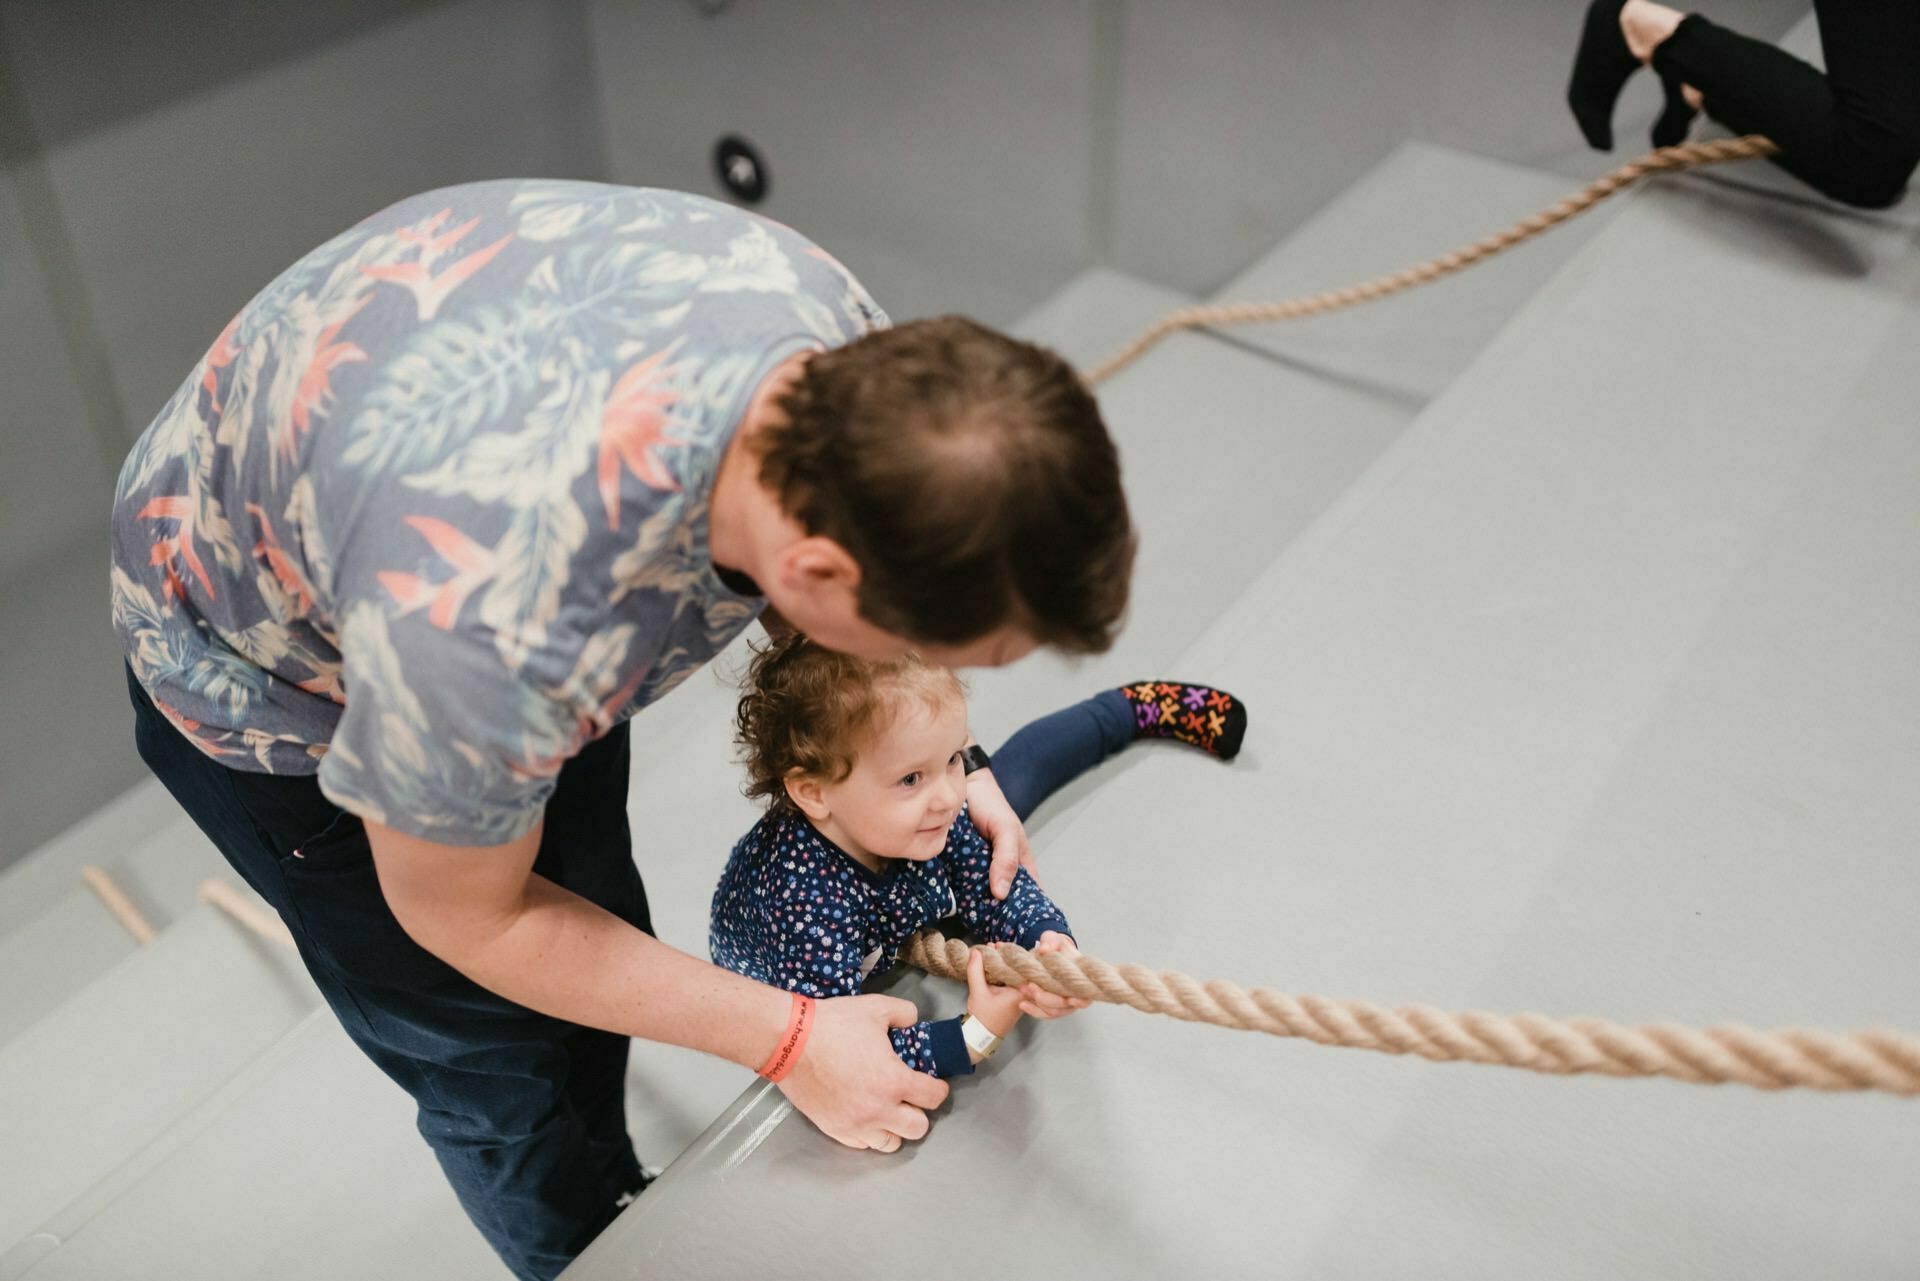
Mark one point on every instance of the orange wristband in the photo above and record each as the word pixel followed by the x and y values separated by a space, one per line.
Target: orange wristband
pixel 792 1041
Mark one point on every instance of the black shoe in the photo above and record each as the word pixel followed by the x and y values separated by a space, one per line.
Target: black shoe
pixel 647 1176
pixel 1670 130
pixel 1600 69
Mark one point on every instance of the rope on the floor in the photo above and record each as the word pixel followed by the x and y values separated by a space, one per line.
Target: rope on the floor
pixel 1690 155
pixel 1884 1061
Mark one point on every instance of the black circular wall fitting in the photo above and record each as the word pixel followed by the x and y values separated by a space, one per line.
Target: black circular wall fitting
pixel 742 172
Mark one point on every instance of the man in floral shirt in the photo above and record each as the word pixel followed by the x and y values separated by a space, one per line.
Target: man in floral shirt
pixel 458 494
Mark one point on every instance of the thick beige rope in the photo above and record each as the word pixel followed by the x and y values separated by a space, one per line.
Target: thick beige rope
pixel 1690 155
pixel 1880 1060
pixel 1884 1061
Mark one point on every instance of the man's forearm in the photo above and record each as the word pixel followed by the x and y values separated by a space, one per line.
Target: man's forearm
pixel 566 957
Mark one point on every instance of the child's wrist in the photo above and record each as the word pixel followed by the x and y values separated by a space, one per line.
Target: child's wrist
pixel 992 1021
pixel 981 1040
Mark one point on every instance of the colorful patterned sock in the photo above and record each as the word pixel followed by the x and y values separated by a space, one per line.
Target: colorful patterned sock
pixel 1210 719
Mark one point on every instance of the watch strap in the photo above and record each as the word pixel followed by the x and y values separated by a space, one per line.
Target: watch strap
pixel 974 758
pixel 979 1037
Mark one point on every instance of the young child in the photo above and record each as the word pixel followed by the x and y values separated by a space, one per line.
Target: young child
pixel 866 839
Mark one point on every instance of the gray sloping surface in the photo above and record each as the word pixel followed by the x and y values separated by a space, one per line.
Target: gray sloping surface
pixel 72 942
pixel 1749 858
pixel 1420 202
pixel 45 876
pixel 1513 727
pixel 91 1084
pixel 56 937
pixel 1096 312
pixel 307 1168
pixel 1226 457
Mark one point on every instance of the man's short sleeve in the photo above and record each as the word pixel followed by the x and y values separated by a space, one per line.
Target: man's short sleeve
pixel 438 739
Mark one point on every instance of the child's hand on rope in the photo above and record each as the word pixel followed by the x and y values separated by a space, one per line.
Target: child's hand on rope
pixel 997 1007
pixel 1039 1002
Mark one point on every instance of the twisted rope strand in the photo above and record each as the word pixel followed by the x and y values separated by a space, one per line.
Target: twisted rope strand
pixel 1690 155
pixel 1879 1060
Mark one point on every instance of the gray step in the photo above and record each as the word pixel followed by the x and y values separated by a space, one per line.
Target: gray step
pixel 47 959
pixel 44 877
pixel 1526 699
pixel 1420 202
pixel 1650 755
pixel 1284 441
pixel 1099 310
pixel 306 1165
pixel 1227 456
pixel 108 1072
pixel 56 937
pixel 1596 696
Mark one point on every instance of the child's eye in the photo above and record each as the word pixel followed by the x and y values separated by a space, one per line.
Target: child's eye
pixel 911 779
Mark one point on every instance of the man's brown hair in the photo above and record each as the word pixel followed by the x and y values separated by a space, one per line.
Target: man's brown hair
pixel 804 709
pixel 970 477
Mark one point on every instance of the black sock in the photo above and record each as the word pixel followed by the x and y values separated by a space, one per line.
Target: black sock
pixel 1600 68
pixel 1670 130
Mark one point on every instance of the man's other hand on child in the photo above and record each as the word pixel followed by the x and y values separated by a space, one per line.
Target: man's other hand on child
pixel 851 1084
pixel 987 806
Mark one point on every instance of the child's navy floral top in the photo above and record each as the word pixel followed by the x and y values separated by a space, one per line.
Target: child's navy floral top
pixel 796 911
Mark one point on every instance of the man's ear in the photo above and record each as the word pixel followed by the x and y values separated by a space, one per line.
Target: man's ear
pixel 805 791
pixel 817 565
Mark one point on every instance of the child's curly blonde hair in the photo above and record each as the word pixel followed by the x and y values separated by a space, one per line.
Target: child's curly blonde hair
pixel 805 708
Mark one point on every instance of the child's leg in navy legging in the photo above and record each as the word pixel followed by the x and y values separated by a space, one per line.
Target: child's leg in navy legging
pixel 1054 750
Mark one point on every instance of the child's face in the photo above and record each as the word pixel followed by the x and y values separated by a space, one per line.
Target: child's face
pixel 906 786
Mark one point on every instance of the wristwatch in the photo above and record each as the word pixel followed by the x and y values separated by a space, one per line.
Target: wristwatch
pixel 974 757
pixel 979 1038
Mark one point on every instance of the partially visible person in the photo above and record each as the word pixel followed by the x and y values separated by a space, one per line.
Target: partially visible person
pixel 868 839
pixel 1852 133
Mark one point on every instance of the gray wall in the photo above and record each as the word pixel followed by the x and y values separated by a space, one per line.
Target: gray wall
pixel 973 155
pixel 940 150
pixel 161 163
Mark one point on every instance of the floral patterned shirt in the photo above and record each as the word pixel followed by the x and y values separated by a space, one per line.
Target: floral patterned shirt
pixel 431 513
pixel 796 911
